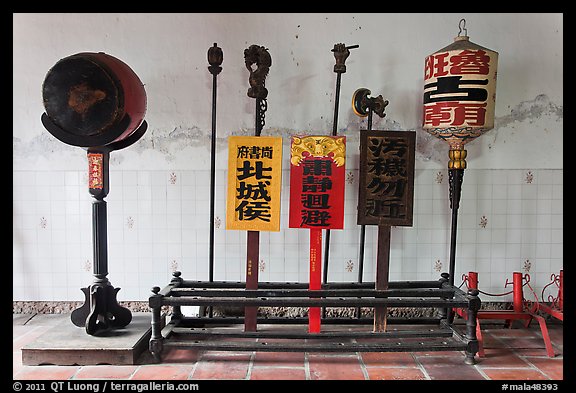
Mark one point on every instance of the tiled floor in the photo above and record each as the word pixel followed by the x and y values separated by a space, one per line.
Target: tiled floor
pixel 510 354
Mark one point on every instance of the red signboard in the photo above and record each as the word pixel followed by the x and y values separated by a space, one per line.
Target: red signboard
pixel 317 174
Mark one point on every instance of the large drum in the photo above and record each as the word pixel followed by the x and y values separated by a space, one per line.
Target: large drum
pixel 92 99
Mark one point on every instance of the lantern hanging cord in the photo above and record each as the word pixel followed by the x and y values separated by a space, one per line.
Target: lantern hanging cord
pixel 462 26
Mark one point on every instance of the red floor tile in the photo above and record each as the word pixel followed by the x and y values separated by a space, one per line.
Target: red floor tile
pixel 556 333
pixel 46 372
pixel 464 372
pixel 446 361
pixel 500 357
pixel 332 367
pixel 226 356
pixel 489 341
pixel 523 343
pixel 283 373
pixel 222 367
pixel 535 351
pixel 178 355
pixel 514 332
pixel 16 361
pixel 392 359
pixel 394 373
pixel 287 359
pixel 105 372
pixel 513 374
pixel 553 368
pixel 28 336
pixel 163 372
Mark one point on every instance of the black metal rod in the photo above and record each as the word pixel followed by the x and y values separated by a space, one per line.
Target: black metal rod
pixel 212 181
pixel 313 302
pixel 220 321
pixel 363 228
pixel 253 293
pixel 100 241
pixel 228 333
pixel 304 285
pixel 334 133
pixel 257 124
pixel 215 58
pixel 455 184
pixel 398 346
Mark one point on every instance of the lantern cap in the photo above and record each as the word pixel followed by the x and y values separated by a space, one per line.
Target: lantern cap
pixel 463 42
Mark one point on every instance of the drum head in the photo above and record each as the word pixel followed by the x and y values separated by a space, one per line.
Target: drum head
pixel 81 97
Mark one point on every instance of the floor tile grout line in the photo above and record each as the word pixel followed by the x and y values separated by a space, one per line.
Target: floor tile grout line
pixel 537 368
pixel 531 365
pixel 481 372
pixel 420 366
pixel 362 366
pixel 76 373
pixel 306 367
pixel 29 319
pixel 250 366
pixel 138 367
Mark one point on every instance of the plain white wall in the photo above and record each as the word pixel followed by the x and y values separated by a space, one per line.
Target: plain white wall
pixel 169 53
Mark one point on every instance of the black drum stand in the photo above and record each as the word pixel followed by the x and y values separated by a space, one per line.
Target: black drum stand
pixel 100 311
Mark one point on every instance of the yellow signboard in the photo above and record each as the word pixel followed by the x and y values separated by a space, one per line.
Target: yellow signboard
pixel 254 183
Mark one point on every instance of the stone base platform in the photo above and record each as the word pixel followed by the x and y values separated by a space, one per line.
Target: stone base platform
pixel 67 344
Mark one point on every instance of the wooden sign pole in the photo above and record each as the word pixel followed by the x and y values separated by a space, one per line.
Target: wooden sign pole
pixel 382 269
pixel 364 106
pixel 386 187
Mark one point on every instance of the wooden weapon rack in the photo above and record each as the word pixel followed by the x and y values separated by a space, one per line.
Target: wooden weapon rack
pixel 352 334
pixel 252 332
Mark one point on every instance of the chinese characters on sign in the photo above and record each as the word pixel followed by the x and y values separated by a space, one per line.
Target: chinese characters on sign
pixel 95 168
pixel 386 178
pixel 254 183
pixel 460 90
pixel 317 174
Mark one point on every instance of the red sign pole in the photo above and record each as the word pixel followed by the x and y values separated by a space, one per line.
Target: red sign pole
pixel 315 277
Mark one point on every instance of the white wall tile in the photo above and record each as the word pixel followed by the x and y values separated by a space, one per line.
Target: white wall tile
pixel 159 219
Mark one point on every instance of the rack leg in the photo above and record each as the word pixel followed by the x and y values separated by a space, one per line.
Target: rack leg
pixel 156 340
pixel 471 325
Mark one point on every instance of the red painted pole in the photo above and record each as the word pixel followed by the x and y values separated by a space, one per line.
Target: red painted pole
pixel 518 296
pixel 473 280
pixel 315 277
pixel 561 292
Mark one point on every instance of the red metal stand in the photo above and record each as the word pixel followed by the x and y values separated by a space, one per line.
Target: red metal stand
pixel 556 307
pixel 522 310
